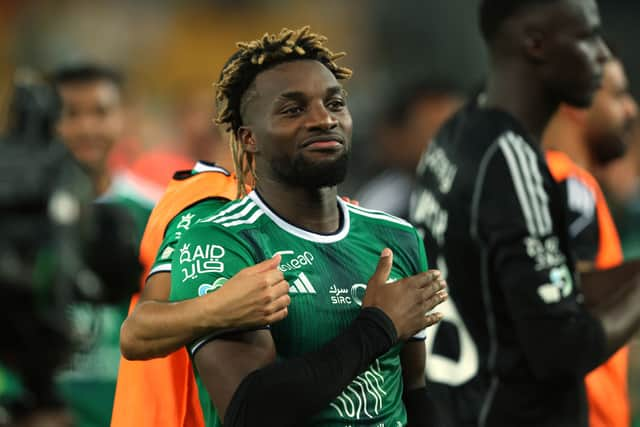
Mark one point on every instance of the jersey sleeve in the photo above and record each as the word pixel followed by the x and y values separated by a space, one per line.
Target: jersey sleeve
pixel 178 225
pixel 513 222
pixel 206 256
pixel 584 230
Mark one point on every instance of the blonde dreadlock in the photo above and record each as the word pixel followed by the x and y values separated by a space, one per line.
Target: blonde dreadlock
pixel 252 58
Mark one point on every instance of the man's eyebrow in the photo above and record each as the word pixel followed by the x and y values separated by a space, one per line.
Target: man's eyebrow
pixel 293 95
pixel 336 90
pixel 301 96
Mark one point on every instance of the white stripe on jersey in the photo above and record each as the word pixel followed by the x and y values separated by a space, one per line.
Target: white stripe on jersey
pixel 237 215
pixel 377 215
pixel 257 214
pixel 539 198
pixel 231 208
pixel 160 268
pixel 527 181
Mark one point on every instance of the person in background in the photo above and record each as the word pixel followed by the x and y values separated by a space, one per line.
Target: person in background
pixel 519 334
pixel 408 124
pixel 90 123
pixel 580 143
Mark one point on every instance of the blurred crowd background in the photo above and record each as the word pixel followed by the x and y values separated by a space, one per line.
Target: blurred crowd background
pixel 414 63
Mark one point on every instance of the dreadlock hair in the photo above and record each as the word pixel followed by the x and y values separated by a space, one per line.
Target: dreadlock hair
pixel 493 13
pixel 246 63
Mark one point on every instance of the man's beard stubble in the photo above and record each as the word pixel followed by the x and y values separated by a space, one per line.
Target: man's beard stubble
pixel 299 172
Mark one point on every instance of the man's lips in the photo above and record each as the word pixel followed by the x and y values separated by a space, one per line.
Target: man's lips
pixel 324 142
pixel 324 145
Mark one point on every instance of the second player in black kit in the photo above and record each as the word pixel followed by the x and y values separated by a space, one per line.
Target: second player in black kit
pixel 517 338
pixel 494 221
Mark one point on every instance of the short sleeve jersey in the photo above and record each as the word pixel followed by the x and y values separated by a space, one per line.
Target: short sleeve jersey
pixel 516 340
pixel 180 224
pixel 327 276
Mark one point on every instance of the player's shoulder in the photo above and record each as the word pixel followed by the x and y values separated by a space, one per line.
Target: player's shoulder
pixel 472 134
pixel 234 216
pixel 379 218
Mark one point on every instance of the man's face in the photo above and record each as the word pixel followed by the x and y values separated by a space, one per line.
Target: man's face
pixel 610 118
pixel 91 121
pixel 574 51
pixel 298 124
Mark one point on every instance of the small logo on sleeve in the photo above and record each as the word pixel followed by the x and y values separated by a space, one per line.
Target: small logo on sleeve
pixel 560 286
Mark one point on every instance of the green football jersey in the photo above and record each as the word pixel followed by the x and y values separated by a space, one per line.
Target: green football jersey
pixel 180 224
pixel 328 276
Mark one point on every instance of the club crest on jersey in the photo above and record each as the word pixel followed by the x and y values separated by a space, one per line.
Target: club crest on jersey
pixel 290 261
pixel 560 287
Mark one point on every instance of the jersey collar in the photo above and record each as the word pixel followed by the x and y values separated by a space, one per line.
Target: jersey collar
pixel 300 232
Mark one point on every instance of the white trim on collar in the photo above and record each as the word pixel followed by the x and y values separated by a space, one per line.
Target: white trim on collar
pixel 305 234
pixel 206 167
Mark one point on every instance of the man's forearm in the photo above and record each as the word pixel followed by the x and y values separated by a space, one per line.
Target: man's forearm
pixel 600 287
pixel 308 383
pixel 158 328
pixel 619 313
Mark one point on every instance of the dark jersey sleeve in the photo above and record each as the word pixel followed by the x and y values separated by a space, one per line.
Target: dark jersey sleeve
pixel 584 231
pixel 512 219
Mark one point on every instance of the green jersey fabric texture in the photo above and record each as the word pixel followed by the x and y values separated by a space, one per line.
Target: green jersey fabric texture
pixel 328 275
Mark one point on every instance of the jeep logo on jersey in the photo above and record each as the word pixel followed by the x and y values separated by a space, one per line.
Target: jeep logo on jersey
pixel 292 262
pixel 201 259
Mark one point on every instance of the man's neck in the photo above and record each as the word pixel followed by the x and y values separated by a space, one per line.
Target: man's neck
pixel 511 88
pixel 565 133
pixel 315 210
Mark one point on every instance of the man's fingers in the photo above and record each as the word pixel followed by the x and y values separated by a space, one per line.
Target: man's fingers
pixel 425 279
pixel 434 300
pixel 432 318
pixel 280 289
pixel 278 309
pixel 383 269
pixel 266 265
pixel 277 316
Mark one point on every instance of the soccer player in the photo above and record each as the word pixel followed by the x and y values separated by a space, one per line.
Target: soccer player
pixel 162 391
pixel 91 121
pixel 341 353
pixel 580 142
pixel 519 334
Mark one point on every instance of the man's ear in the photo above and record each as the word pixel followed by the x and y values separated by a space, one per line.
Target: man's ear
pixel 247 140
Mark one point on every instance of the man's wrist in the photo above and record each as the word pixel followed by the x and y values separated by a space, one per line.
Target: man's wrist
pixel 380 319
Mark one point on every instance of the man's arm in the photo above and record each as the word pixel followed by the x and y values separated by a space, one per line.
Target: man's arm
pixel 514 223
pixel 256 296
pixel 258 392
pixel 613 296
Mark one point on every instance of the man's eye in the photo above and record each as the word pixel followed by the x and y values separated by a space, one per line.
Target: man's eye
pixel 290 111
pixel 336 104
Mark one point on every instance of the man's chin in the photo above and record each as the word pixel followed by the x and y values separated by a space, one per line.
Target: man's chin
pixel 317 174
